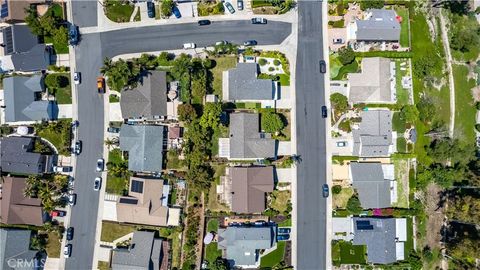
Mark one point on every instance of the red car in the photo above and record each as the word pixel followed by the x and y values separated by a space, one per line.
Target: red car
pixel 57 213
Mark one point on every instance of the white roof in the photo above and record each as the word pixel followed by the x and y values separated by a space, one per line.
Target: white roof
pixel 342 228
pixel 173 217
pixel 388 171
pixel 400 251
pixel 401 229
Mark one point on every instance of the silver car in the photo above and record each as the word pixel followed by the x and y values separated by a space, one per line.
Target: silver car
pixel 97 183
pixel 100 164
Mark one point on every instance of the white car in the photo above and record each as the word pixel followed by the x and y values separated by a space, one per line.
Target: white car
pixel 62 169
pixel 100 165
pixel 77 77
pixel 67 251
pixel 72 199
pixel 189 46
pixel 342 144
pixel 97 183
pixel 221 42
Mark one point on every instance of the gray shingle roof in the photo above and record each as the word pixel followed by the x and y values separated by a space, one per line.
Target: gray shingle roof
pixel 38 58
pixel 246 142
pixel 16 156
pixel 15 245
pixel 148 99
pixel 381 26
pixel 380 239
pixel 373 83
pixel 21 101
pixel 373 189
pixel 374 136
pixel 243 84
pixel 144 253
pixel 242 243
pixel 144 145
pixel 18 38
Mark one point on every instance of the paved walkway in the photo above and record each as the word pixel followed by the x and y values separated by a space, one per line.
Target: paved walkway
pixel 65 111
pixel 52 264
pixel 451 81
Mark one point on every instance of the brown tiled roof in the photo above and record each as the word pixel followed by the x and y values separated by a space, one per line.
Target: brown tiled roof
pixel 249 185
pixel 143 207
pixel 174 132
pixel 15 207
pixel 16 9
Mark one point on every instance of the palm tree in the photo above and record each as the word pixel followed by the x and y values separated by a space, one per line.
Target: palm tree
pixel 111 142
pixel 107 66
pixel 32 186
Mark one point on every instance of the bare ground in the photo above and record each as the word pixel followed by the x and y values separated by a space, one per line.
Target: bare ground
pixel 435 215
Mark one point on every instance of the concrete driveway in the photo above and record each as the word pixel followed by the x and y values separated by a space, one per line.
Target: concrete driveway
pixel 188 10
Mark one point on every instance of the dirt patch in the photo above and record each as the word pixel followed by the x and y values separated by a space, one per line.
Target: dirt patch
pixel 435 215
pixel 476 93
pixel 340 200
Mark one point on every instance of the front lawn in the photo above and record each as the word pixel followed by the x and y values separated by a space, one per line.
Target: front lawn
pixel 113 99
pixel 118 11
pixel 63 90
pixel 280 200
pixel 112 231
pixel 340 200
pixel 275 257
pixel 58 133
pixel 53 245
pixel 222 64
pixel 347 253
pixel 353 67
pixel 115 184
pixel 465 110
pixel 284 79
pixel 103 265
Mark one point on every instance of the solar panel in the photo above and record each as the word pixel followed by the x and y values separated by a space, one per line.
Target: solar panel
pixel 137 186
pixel 8 39
pixel 4 10
pixel 128 201
pixel 364 225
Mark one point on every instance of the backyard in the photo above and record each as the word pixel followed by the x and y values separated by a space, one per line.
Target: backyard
pixel 465 110
pixel 117 176
pixel 211 250
pixel 222 64
pixel 275 257
pixel 402 69
pixel 404 26
pixel 402 176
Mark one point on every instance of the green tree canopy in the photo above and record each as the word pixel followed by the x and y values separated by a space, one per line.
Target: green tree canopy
pixel 354 206
pixel 346 55
pixel 271 122
pixel 339 102
pixel 426 110
pixel 378 4
pixel 409 113
pixel 186 112
pixel 211 115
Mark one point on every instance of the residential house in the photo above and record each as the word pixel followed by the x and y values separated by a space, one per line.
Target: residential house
pixel 246 142
pixel 375 184
pixel 147 101
pixel 375 83
pixel 13 11
pixel 24 102
pixel 147 203
pixel 17 156
pixel 16 208
pixel 242 84
pixel 241 245
pixel 15 252
pixel 244 188
pixel 21 51
pixel 384 237
pixel 145 252
pixel 144 145
pixel 377 25
pixel 374 136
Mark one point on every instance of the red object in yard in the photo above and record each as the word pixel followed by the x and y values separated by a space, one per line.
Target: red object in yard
pixel 57 213
pixel 399 19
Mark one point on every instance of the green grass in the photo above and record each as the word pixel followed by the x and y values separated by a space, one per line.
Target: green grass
pixel 402 94
pixel 403 185
pixel 280 200
pixel 285 223
pixel 398 124
pixel 62 95
pixel 350 68
pixel 222 64
pixel 60 141
pixel 103 265
pixel 284 79
pixel 401 145
pixel 212 225
pixel 115 185
pixel 53 245
pixel 212 252
pixel 118 12
pixel 261 3
pixel 335 65
pixel 137 17
pixel 409 243
pixel 464 105
pixel 112 231
pixel 56 10
pixel 173 196
pixel 113 99
pixel 274 257
pixel 351 254
pixel 404 31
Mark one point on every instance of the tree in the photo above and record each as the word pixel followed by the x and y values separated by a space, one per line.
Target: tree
pixel 374 4
pixel 186 113
pixel 346 55
pixel 453 151
pixel 164 59
pixel 53 81
pixel 409 113
pixel 354 206
pixel 336 189
pixel 219 264
pixel 199 85
pixel 166 8
pixel 32 21
pixel 464 33
pixel 339 102
pixel 464 208
pixel 209 63
pixel 426 110
pixel 211 115
pixel 60 36
pixel 271 122
pixel 111 142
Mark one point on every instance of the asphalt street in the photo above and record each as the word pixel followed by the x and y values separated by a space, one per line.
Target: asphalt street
pixel 84 12
pixel 89 57
pixel 311 141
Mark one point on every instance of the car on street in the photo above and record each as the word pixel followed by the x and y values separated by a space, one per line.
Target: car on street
pixel 75 123
pixel 323 66
pixel 250 43
pixel 337 41
pixel 62 169
pixel 57 213
pixel 221 42
pixel 284 230
pixel 72 199
pixel 229 7
pixel 69 233
pixel 100 164
pixel 113 130
pixel 324 111
pixel 101 85
pixel 150 9
pixel 67 251
pixel 189 46
pixel 341 144
pixel 176 12
pixel 325 191
pixel 259 223
pixel 259 21
pixel 97 183
pixel 240 4
pixel 283 237
pixel 77 148
pixel 204 22
pixel 71 182
pixel 73 35
pixel 77 77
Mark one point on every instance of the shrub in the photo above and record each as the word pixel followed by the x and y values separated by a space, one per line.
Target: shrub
pixel 166 8
pixel 477 127
pixel 354 206
pixel 346 55
pixel 271 122
pixel 55 81
pixel 209 63
pixel 262 61
pixel 345 125
pixel 336 189
pixel 271 69
pixel 477 105
pixel 338 24
pixel 277 62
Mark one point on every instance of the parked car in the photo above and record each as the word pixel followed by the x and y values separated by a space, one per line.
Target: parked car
pixel 323 66
pixel 284 230
pixel 176 12
pixel 57 213
pixel 259 21
pixel 234 224
pixel 101 85
pixel 325 190
pixel 240 4
pixel 97 183
pixel 72 199
pixel 250 43
pixel 259 223
pixel 75 123
pixel 113 129
pixel 67 251
pixel 100 164
pixel 71 182
pixel 324 111
pixel 62 169
pixel 73 35
pixel 204 22
pixel 341 144
pixel 150 9
pixel 283 237
pixel 221 42
pixel 77 148
pixel 229 7
pixel 189 46
pixel 77 77
pixel 337 41
pixel 69 233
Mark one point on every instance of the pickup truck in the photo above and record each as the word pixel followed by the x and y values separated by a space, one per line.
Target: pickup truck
pixel 101 85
